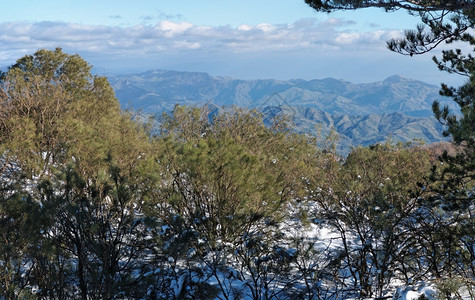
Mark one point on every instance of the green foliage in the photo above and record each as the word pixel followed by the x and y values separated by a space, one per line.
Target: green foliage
pixel 227 182
pixel 100 227
pixel 21 225
pixel 72 169
pixel 454 288
pixel 231 172
pixel 443 21
pixel 412 6
pixel 53 110
pixel 456 189
pixel 445 224
pixel 93 207
pixel 372 197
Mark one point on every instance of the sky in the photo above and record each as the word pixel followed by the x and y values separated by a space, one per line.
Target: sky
pixel 244 39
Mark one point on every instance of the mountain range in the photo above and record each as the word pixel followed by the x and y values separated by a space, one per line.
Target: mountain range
pixel 362 114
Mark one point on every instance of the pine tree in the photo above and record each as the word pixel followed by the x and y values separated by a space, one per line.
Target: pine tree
pixel 450 252
pixel 71 156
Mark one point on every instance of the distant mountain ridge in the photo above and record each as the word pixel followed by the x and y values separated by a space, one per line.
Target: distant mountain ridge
pixel 159 90
pixel 354 130
pixel 362 114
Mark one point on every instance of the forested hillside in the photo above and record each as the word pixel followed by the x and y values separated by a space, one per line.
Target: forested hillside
pixel 92 206
pixel 361 114
pixel 160 90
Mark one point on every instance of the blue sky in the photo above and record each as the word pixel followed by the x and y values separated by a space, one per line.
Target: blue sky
pixel 246 39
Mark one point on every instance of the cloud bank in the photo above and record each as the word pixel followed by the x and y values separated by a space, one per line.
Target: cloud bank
pixel 180 37
pixel 308 48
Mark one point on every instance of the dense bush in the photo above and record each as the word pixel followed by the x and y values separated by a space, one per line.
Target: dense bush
pixel 94 207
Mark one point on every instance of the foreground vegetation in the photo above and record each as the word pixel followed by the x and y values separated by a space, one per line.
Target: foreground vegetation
pixel 94 207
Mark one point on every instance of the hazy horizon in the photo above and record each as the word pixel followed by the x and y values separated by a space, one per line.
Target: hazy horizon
pixel 246 39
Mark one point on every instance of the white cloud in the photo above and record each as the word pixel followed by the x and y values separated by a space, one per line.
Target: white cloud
pixel 308 46
pixel 172 29
pixel 244 27
pixel 266 27
pixel 186 45
pixel 183 36
pixel 345 38
pixel 335 22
